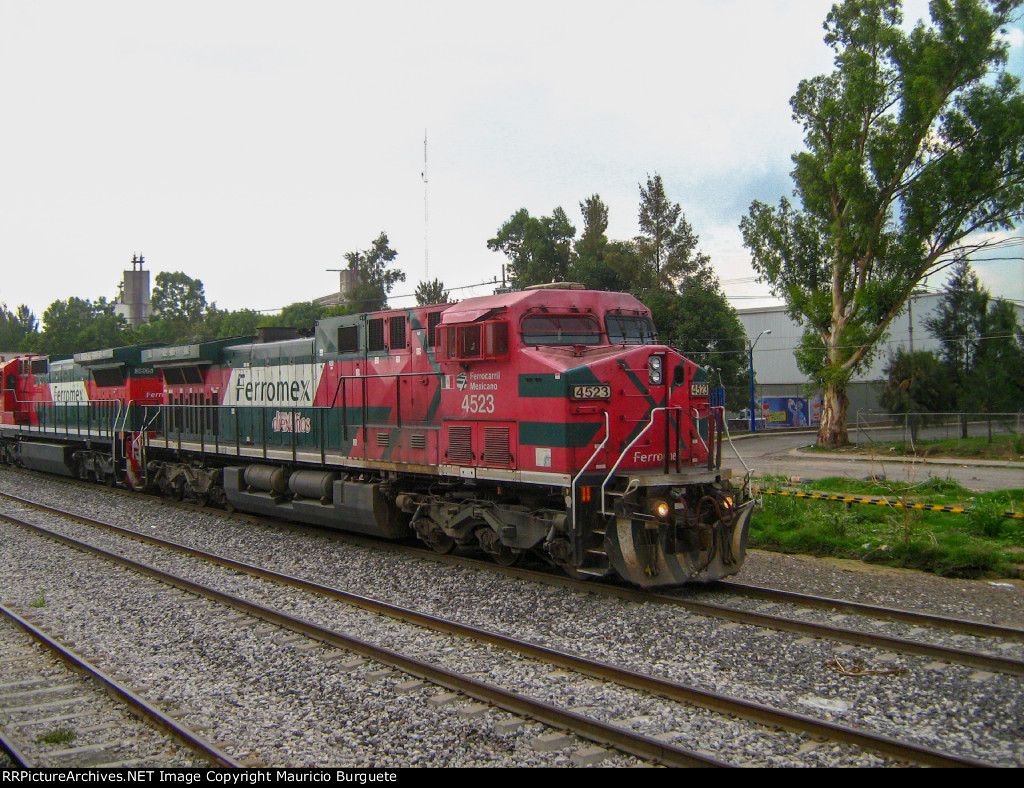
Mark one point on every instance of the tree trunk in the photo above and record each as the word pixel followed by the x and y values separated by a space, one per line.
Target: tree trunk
pixel 832 432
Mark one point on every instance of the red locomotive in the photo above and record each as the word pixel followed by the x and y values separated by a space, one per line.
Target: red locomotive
pixel 546 422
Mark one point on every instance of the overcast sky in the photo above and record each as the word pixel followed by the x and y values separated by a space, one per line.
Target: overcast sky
pixel 251 144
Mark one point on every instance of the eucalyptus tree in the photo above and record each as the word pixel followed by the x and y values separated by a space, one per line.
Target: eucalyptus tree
pixel 914 149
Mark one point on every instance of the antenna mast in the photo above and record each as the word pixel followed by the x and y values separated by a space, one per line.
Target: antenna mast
pixel 426 257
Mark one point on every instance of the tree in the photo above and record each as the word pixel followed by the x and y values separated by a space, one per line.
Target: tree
pixel 17 329
pixel 179 310
pixel 597 262
pixel 301 315
pixel 428 293
pixel 701 324
pixel 916 384
pixel 539 249
pixel 915 143
pixel 664 268
pixel 995 383
pixel 177 296
pixel 667 244
pixel 77 326
pixel 374 280
pixel 959 321
pixel 222 324
pixel 981 352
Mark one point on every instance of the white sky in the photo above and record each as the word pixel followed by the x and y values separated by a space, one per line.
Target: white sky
pixel 251 144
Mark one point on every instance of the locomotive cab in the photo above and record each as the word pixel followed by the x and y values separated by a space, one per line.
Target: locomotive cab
pixel 580 397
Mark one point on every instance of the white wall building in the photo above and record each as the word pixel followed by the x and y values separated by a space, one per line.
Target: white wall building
pixel 775 365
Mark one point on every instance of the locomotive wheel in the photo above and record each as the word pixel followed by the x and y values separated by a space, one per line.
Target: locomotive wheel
pixel 202 499
pixel 492 545
pixel 507 556
pixel 573 573
pixel 440 542
pixel 431 534
pixel 173 490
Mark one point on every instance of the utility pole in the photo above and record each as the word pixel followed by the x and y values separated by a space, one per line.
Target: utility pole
pixel 426 258
pixel 753 414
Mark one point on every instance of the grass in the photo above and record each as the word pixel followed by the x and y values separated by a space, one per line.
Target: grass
pixel 57 736
pixel 1000 447
pixel 981 543
pixel 39 601
pixel 977 447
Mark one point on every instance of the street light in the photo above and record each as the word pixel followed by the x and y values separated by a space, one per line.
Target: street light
pixel 753 414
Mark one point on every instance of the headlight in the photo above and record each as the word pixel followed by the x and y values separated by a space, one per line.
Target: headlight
pixel 662 509
pixel 655 372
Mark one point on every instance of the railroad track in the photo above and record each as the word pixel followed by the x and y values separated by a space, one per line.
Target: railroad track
pixel 844 634
pixel 920 624
pixel 59 711
pixel 585 726
pixel 911 618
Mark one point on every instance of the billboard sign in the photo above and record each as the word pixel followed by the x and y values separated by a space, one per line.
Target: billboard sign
pixel 781 412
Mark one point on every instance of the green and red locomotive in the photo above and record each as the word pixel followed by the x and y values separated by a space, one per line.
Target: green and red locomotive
pixel 547 421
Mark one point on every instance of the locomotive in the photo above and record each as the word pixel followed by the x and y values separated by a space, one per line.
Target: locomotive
pixel 547 421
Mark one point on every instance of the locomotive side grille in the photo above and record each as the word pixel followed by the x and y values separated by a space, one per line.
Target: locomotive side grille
pixel 460 445
pixel 375 335
pixel 433 321
pixel 397 328
pixel 418 441
pixel 496 446
pixel 383 439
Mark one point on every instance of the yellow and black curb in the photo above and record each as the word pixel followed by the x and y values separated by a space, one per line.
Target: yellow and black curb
pixel 894 503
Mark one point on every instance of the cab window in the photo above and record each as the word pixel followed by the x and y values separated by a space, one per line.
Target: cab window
pixel 561 330
pixel 631 330
pixel 476 341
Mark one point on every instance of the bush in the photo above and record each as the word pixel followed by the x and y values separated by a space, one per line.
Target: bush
pixel 985 518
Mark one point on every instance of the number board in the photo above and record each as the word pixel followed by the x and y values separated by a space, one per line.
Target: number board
pixel 591 392
pixel 700 390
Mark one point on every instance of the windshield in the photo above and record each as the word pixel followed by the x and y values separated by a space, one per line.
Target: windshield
pixel 561 330
pixel 631 330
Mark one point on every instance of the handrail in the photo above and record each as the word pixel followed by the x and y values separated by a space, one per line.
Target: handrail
pixel 607 435
pixel 625 451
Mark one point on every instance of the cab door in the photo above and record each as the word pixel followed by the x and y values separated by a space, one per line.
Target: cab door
pixel 8 375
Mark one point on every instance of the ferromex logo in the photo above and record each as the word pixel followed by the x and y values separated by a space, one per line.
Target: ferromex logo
pixel 290 385
pixel 69 393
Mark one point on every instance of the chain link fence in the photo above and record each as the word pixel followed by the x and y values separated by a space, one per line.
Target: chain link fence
pixel 955 428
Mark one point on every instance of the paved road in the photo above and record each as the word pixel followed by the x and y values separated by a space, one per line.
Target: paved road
pixel 780 454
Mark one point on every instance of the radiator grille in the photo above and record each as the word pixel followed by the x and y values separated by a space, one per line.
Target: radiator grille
pixel 383 439
pixel 418 441
pixel 496 447
pixel 460 445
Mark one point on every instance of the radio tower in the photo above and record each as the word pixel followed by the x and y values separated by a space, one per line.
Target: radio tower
pixel 426 257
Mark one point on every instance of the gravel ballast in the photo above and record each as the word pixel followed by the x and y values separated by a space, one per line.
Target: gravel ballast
pixel 939 706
